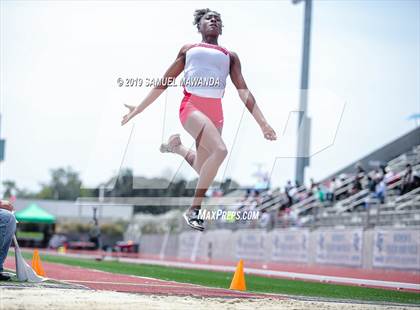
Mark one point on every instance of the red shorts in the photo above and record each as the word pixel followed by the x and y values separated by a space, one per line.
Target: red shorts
pixel 211 107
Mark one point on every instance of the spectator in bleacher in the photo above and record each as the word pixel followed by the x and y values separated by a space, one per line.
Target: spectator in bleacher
pixel 340 180
pixel 257 197
pixel 244 200
pixel 312 184
pixel 248 202
pixel 265 219
pixel 380 190
pixel 371 184
pixel 287 190
pixel 339 192
pixel 407 180
pixel 288 186
pixel 377 189
pixel 7 231
pixel 360 170
pixel 330 190
pixel 284 202
pixel 320 192
pixel 383 168
pixel 378 175
pixel 356 186
pixel 292 192
pixel 313 188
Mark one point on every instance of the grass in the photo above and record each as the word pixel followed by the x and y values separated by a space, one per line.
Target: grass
pixel 254 283
pixel 30 235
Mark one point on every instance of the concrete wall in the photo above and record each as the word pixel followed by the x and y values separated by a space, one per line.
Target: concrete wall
pixel 156 245
pixel 151 244
pixel 388 248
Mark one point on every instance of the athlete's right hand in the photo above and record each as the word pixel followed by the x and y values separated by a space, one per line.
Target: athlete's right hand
pixel 132 112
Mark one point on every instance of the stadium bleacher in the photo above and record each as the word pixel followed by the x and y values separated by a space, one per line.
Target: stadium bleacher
pixel 356 201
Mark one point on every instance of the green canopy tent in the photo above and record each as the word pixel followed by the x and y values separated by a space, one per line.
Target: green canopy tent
pixel 34 214
pixel 35 226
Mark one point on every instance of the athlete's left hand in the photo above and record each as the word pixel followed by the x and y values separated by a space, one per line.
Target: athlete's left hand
pixel 129 115
pixel 268 132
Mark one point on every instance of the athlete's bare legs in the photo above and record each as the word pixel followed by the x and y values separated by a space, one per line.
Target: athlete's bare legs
pixel 209 155
pixel 190 155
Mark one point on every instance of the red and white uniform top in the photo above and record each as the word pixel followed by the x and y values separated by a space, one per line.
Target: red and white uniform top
pixel 206 70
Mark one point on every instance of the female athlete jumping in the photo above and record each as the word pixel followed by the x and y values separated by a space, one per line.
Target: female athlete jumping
pixel 201 111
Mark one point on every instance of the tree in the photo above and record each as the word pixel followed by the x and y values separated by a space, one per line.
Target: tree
pixel 65 184
pixel 10 187
pixel 123 186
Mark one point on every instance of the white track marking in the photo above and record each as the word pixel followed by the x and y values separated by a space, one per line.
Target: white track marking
pixel 283 274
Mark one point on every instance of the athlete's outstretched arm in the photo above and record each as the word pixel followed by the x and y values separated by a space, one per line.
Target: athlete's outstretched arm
pixel 247 97
pixel 174 70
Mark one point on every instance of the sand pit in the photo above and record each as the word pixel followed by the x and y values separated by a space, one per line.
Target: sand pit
pixel 74 299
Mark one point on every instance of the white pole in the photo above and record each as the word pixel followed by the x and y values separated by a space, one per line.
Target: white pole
pixel 195 249
pixel 163 247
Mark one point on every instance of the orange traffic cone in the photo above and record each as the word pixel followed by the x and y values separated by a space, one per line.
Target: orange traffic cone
pixel 36 264
pixel 238 281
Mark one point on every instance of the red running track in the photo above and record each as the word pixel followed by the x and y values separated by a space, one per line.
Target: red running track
pixel 358 274
pixel 100 280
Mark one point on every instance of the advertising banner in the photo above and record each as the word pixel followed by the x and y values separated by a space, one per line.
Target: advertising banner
pixel 289 245
pixel 397 249
pixel 339 247
pixel 250 245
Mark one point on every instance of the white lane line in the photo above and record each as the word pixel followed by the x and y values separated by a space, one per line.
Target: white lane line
pixel 126 283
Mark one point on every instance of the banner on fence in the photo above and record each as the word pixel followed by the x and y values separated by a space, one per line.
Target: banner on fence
pixel 396 249
pixel 339 247
pixel 290 245
pixel 251 245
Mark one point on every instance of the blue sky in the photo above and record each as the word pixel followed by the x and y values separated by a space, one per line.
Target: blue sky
pixel 61 105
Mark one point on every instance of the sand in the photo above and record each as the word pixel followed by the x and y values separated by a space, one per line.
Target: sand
pixel 74 299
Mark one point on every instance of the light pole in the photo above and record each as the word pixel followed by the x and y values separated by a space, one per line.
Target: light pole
pixel 304 122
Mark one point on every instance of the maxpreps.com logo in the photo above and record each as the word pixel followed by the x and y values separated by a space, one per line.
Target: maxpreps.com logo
pixel 214 215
